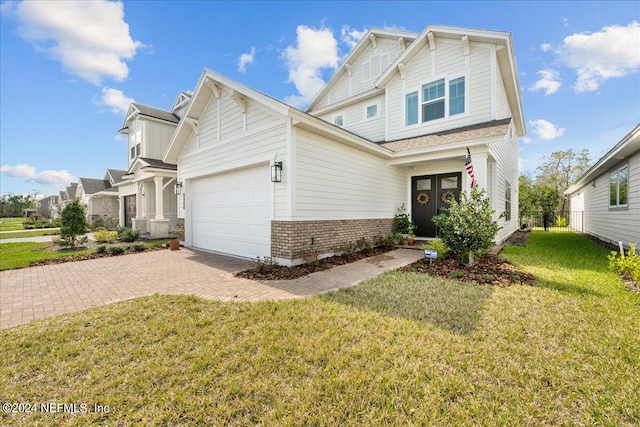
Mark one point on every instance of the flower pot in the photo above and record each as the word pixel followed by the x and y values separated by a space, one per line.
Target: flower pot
pixel 174 245
pixel 410 241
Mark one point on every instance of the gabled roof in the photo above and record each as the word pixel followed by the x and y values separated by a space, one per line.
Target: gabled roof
pixel 362 45
pixel 182 98
pixel 505 56
pixel 627 146
pixel 92 185
pixel 114 176
pixel 136 109
pixel 493 128
pixel 71 190
pixel 157 164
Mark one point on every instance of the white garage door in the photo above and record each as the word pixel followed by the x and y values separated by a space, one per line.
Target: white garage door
pixel 231 212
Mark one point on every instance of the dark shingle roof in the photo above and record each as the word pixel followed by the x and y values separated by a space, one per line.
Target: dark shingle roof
pixel 71 190
pixel 91 185
pixel 158 164
pixel 156 113
pixel 466 133
pixel 116 174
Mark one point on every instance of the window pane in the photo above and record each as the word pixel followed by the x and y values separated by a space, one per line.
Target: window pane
pixel 432 111
pixel 372 111
pixel 338 121
pixel 449 182
pixel 433 90
pixel 622 186
pixel 613 189
pixel 411 108
pixel 423 184
pixel 456 96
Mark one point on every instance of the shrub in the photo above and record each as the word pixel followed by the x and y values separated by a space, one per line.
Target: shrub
pixel 56 222
pixel 626 266
pixel 396 239
pixel 437 245
pixel 139 247
pixel 74 222
pixel 467 226
pixel 101 249
pixel 455 274
pixel 127 235
pixel 311 257
pixel 402 221
pixel 104 236
pixel 265 265
pixel 364 245
pixel 561 221
pixel 115 250
pixel 97 223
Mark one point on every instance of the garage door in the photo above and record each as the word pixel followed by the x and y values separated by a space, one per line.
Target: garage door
pixel 231 212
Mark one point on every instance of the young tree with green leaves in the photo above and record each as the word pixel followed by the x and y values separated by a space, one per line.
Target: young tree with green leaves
pixel 74 222
pixel 467 226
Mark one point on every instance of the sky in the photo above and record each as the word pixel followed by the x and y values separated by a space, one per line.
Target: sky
pixel 68 70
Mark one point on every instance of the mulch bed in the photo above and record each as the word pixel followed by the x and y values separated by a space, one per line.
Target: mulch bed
pixel 488 270
pixel 83 257
pixel 294 272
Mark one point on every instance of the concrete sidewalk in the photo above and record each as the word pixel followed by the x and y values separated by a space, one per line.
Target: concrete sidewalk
pixel 40 292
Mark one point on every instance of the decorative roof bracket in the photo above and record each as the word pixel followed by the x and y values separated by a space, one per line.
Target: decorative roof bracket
pixel 372 37
pixel 403 70
pixel 432 40
pixel 213 86
pixel 465 45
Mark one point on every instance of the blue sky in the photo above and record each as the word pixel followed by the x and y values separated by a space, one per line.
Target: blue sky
pixel 69 69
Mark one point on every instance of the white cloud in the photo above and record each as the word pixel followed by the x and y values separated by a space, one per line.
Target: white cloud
pixel 545 47
pixel 90 39
pixel 316 51
pixel 26 172
pixel 350 36
pixel 246 59
pixel 526 140
pixel 545 130
pixel 549 82
pixel 597 57
pixel 114 99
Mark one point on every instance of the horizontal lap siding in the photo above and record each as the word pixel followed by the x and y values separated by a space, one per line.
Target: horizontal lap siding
pixel 505 154
pixel 340 182
pixel 611 224
pixel 356 121
pixel 449 59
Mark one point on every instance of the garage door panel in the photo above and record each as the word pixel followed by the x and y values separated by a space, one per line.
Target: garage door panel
pixel 231 213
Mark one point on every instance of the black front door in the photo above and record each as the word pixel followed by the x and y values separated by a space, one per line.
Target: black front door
pixel 429 193
pixel 129 210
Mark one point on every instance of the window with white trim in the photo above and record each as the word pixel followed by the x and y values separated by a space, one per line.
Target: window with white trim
pixel 438 99
pixel 618 187
pixel 507 201
pixel 338 120
pixel 372 111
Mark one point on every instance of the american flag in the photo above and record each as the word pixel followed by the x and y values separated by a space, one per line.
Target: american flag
pixel 469 167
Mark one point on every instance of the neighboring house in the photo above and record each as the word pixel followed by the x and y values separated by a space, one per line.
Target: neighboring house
pixel 66 195
pixel 49 207
pixel 147 192
pixel 257 177
pixel 100 196
pixel 608 194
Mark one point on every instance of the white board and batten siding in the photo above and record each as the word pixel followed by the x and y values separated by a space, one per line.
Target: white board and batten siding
pixel 446 61
pixel 611 224
pixel 335 181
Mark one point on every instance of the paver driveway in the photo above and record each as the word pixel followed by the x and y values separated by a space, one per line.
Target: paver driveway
pixel 38 292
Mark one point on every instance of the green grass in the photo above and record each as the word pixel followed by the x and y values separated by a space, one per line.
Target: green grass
pixel 10 224
pixel 16 235
pixel 19 255
pixel 399 349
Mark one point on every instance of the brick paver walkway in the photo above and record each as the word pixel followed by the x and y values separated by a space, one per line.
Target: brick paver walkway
pixel 39 292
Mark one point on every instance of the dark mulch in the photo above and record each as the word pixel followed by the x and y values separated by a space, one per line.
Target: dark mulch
pixel 83 257
pixel 488 270
pixel 519 238
pixel 600 242
pixel 288 273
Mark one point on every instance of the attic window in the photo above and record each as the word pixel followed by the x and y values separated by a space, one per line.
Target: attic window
pixel 372 111
pixel 338 120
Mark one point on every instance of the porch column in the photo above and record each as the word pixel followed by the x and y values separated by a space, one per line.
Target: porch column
pixel 159 201
pixel 480 171
pixel 121 211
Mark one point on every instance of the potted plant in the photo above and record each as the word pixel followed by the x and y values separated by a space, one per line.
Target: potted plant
pixel 174 243
pixel 410 236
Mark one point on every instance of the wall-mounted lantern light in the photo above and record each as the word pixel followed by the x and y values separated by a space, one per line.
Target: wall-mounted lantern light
pixel 177 188
pixel 276 172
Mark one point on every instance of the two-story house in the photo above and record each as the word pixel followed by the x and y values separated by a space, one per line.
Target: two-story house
pixel 257 177
pixel 100 196
pixel 49 207
pixel 147 192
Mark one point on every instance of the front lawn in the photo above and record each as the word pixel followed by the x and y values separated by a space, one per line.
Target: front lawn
pixel 19 255
pixel 399 349
pixel 33 233
pixel 9 224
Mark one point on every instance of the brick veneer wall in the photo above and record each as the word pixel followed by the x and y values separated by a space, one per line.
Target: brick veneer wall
pixel 292 239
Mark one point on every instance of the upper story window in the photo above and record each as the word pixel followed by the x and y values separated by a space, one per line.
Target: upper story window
pixel 618 187
pixel 338 120
pixel 433 100
pixel 135 142
pixel 372 111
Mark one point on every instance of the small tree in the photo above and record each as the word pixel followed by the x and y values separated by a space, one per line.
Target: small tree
pixel 467 226
pixel 74 222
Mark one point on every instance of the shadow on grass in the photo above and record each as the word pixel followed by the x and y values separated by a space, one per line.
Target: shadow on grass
pixel 448 304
